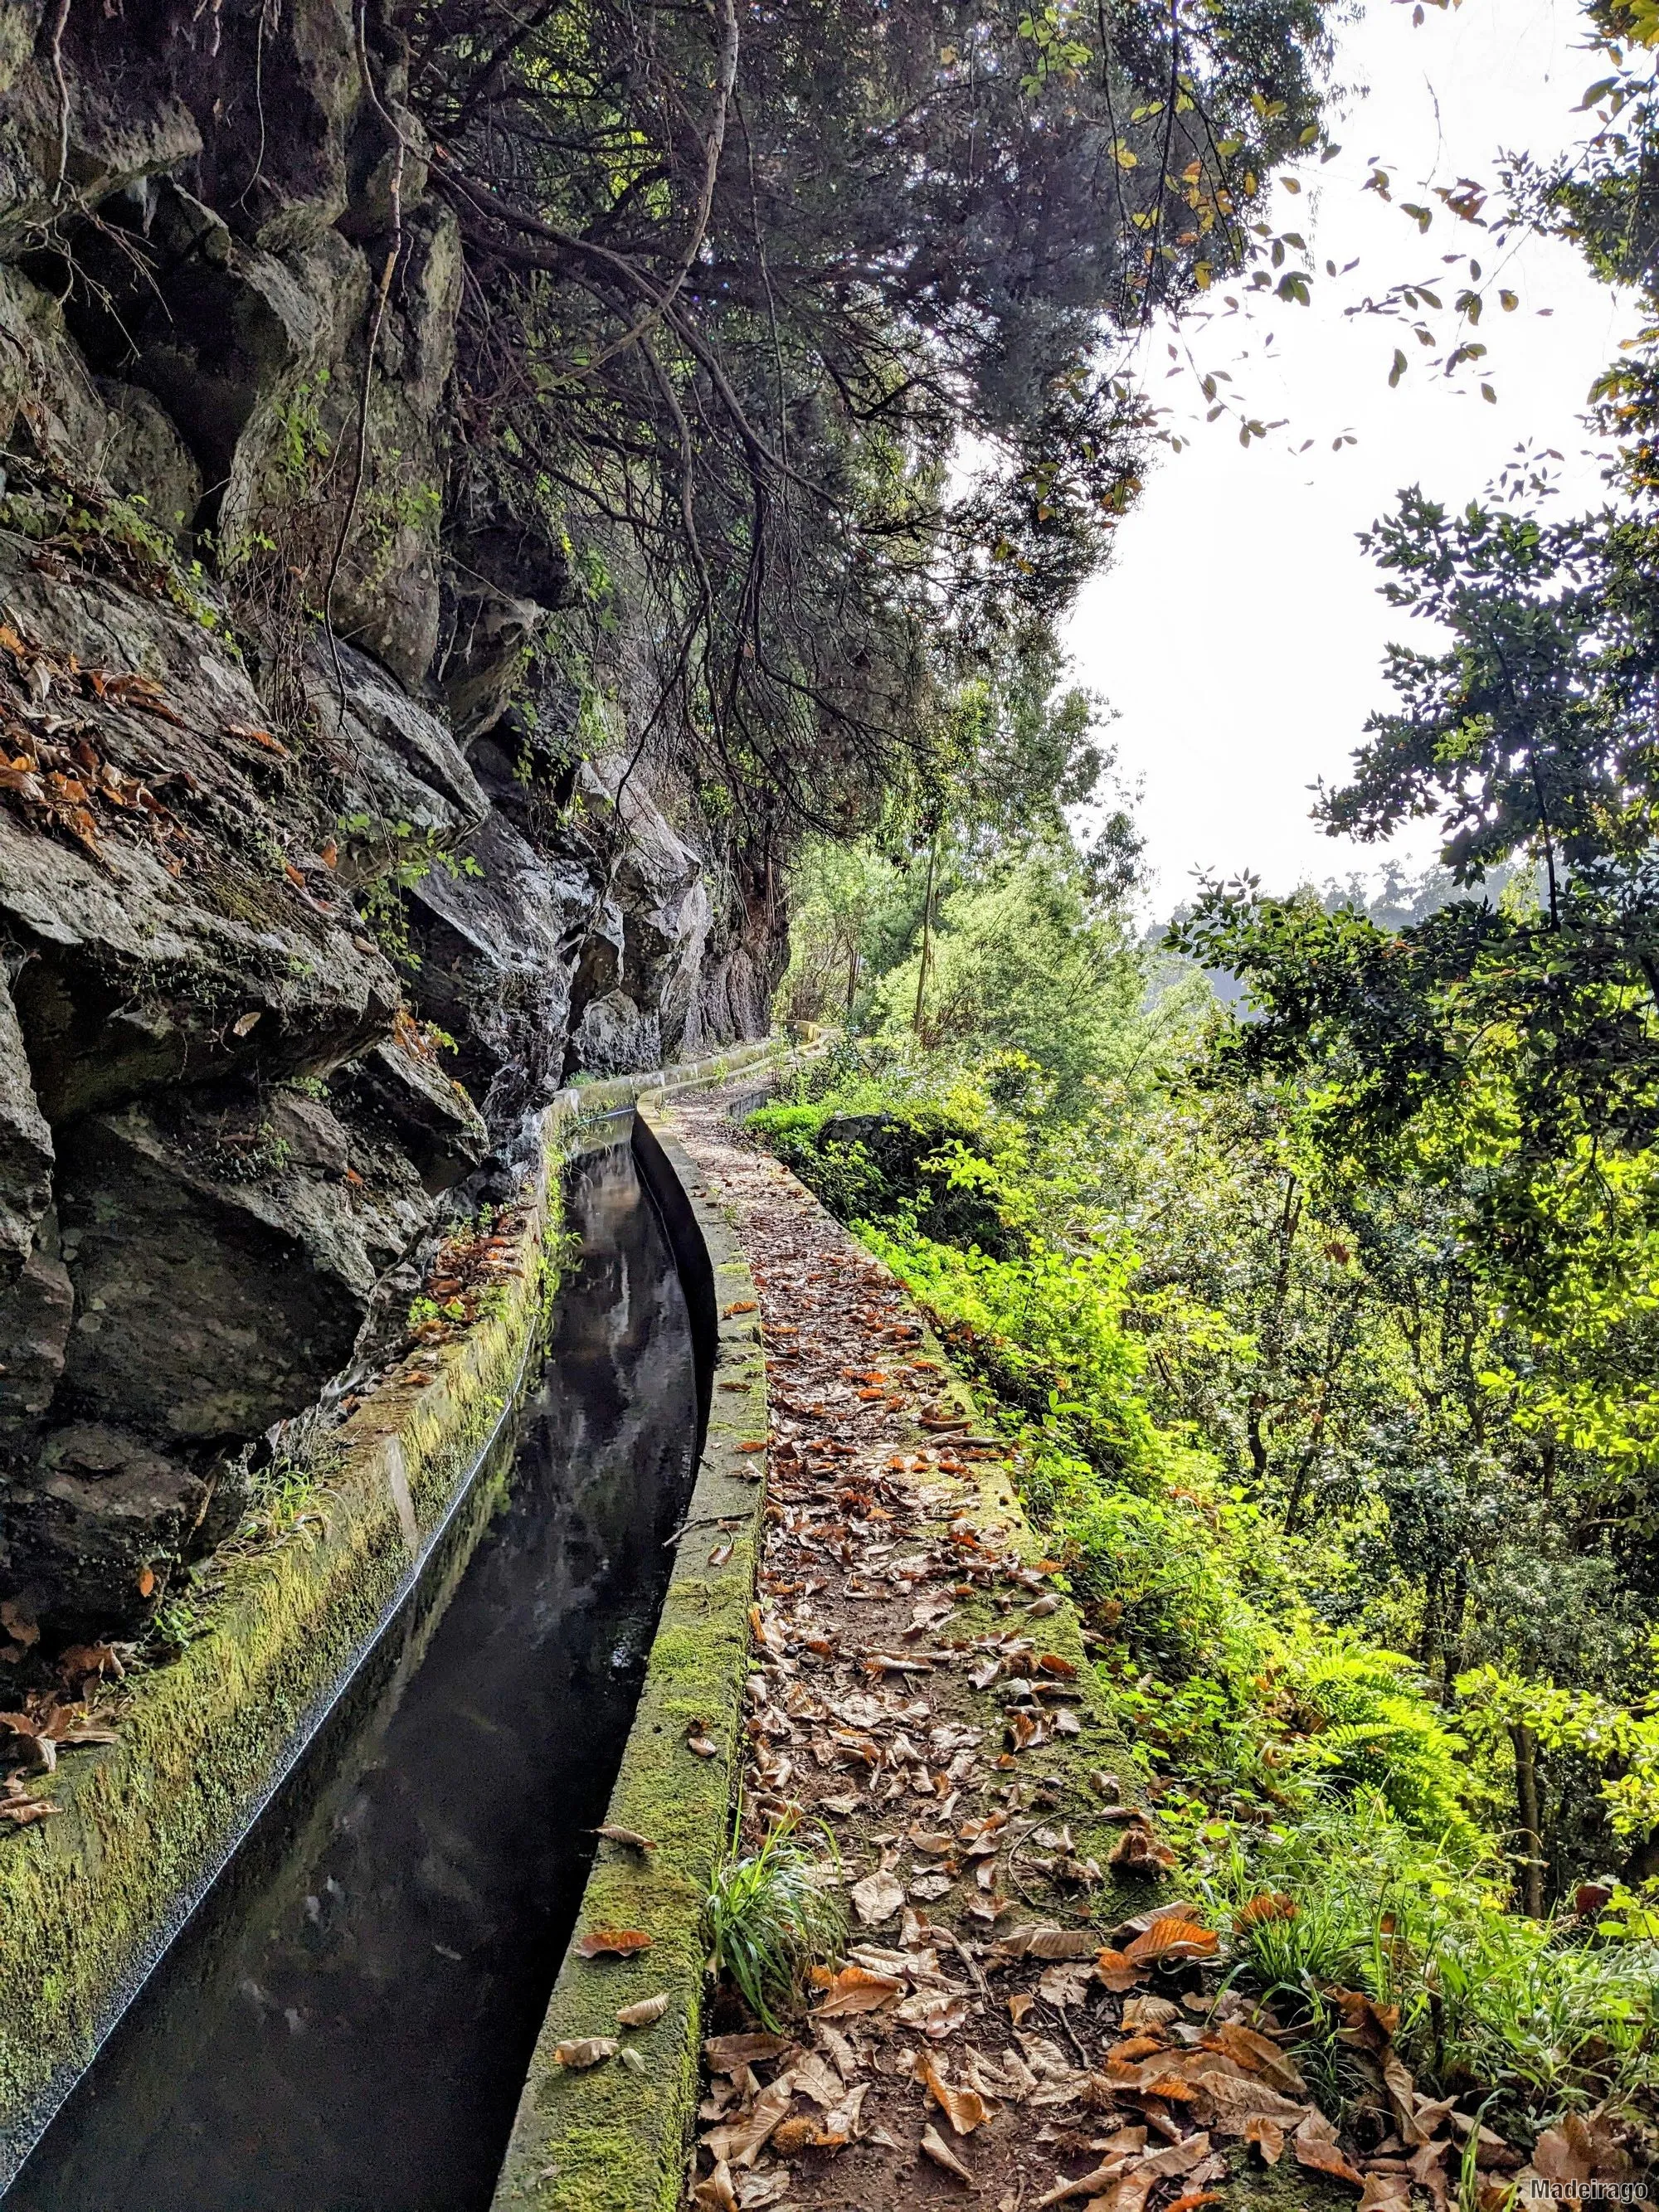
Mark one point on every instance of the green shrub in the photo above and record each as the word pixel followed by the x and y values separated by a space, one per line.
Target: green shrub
pixel 942 1165
pixel 1046 1331
pixel 1370 1728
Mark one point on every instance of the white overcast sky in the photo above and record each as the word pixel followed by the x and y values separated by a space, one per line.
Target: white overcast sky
pixel 1238 633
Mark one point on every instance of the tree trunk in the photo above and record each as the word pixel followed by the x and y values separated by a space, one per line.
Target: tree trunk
pixel 1525 1802
pixel 927 931
pixel 1254 1437
pixel 1460 1606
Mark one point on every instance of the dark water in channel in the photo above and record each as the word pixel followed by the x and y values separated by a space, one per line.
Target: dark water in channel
pixel 346 2024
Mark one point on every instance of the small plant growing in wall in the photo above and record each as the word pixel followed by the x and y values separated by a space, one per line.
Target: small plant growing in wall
pixel 395 857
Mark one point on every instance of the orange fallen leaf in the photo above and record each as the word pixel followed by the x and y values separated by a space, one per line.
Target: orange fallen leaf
pixel 251 736
pixel 1135 2046
pixel 741 1305
pixel 1271 1905
pixel 965 2109
pixel 1172 1938
pixel 612 1942
pixel 1117 1970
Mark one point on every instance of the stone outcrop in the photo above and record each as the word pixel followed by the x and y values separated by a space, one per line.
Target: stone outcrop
pixel 299 918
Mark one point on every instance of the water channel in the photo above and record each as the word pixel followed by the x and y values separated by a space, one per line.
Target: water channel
pixel 345 2023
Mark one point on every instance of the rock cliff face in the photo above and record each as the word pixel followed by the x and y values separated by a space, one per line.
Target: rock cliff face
pixel 328 845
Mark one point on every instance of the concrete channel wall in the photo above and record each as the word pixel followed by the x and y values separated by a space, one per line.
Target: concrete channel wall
pixel 613 2137
pixel 90 1899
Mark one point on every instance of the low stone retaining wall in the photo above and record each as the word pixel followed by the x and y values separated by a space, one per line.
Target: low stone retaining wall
pixel 88 1901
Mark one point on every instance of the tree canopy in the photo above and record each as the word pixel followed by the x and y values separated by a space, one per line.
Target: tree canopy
pixel 808 316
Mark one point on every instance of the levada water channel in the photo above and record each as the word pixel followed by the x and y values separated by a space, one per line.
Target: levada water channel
pixel 345 2023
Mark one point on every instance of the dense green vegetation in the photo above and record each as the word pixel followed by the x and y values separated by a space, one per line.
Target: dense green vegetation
pixel 1384 1649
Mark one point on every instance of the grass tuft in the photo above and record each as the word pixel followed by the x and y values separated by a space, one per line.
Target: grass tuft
pixel 772 1918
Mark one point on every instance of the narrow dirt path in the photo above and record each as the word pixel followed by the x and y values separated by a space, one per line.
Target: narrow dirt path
pixel 916 1687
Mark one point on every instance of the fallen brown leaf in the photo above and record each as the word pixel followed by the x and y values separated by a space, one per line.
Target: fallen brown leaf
pixel 1261 2055
pixel 716 2193
pixel 1043 1942
pixel 19 1623
pixel 612 1942
pixel 935 2146
pixel 854 1990
pixel 27 1741
pixel 1385 2192
pixel 628 1836
pixel 740 2141
pixel 1316 2148
pixel 585 2051
pixel 730 2054
pixel 1139 1851
pixel 1428 2169
pixel 1237 2099
pixel 965 2109
pixel 22 1811
pixel 936 2016
pixel 1365 2023
pixel 1178 2158
pixel 1267 2136
pixel 877 1898
pixel 645 2014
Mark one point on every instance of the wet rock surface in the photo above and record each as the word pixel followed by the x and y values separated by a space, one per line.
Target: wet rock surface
pixel 299 920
